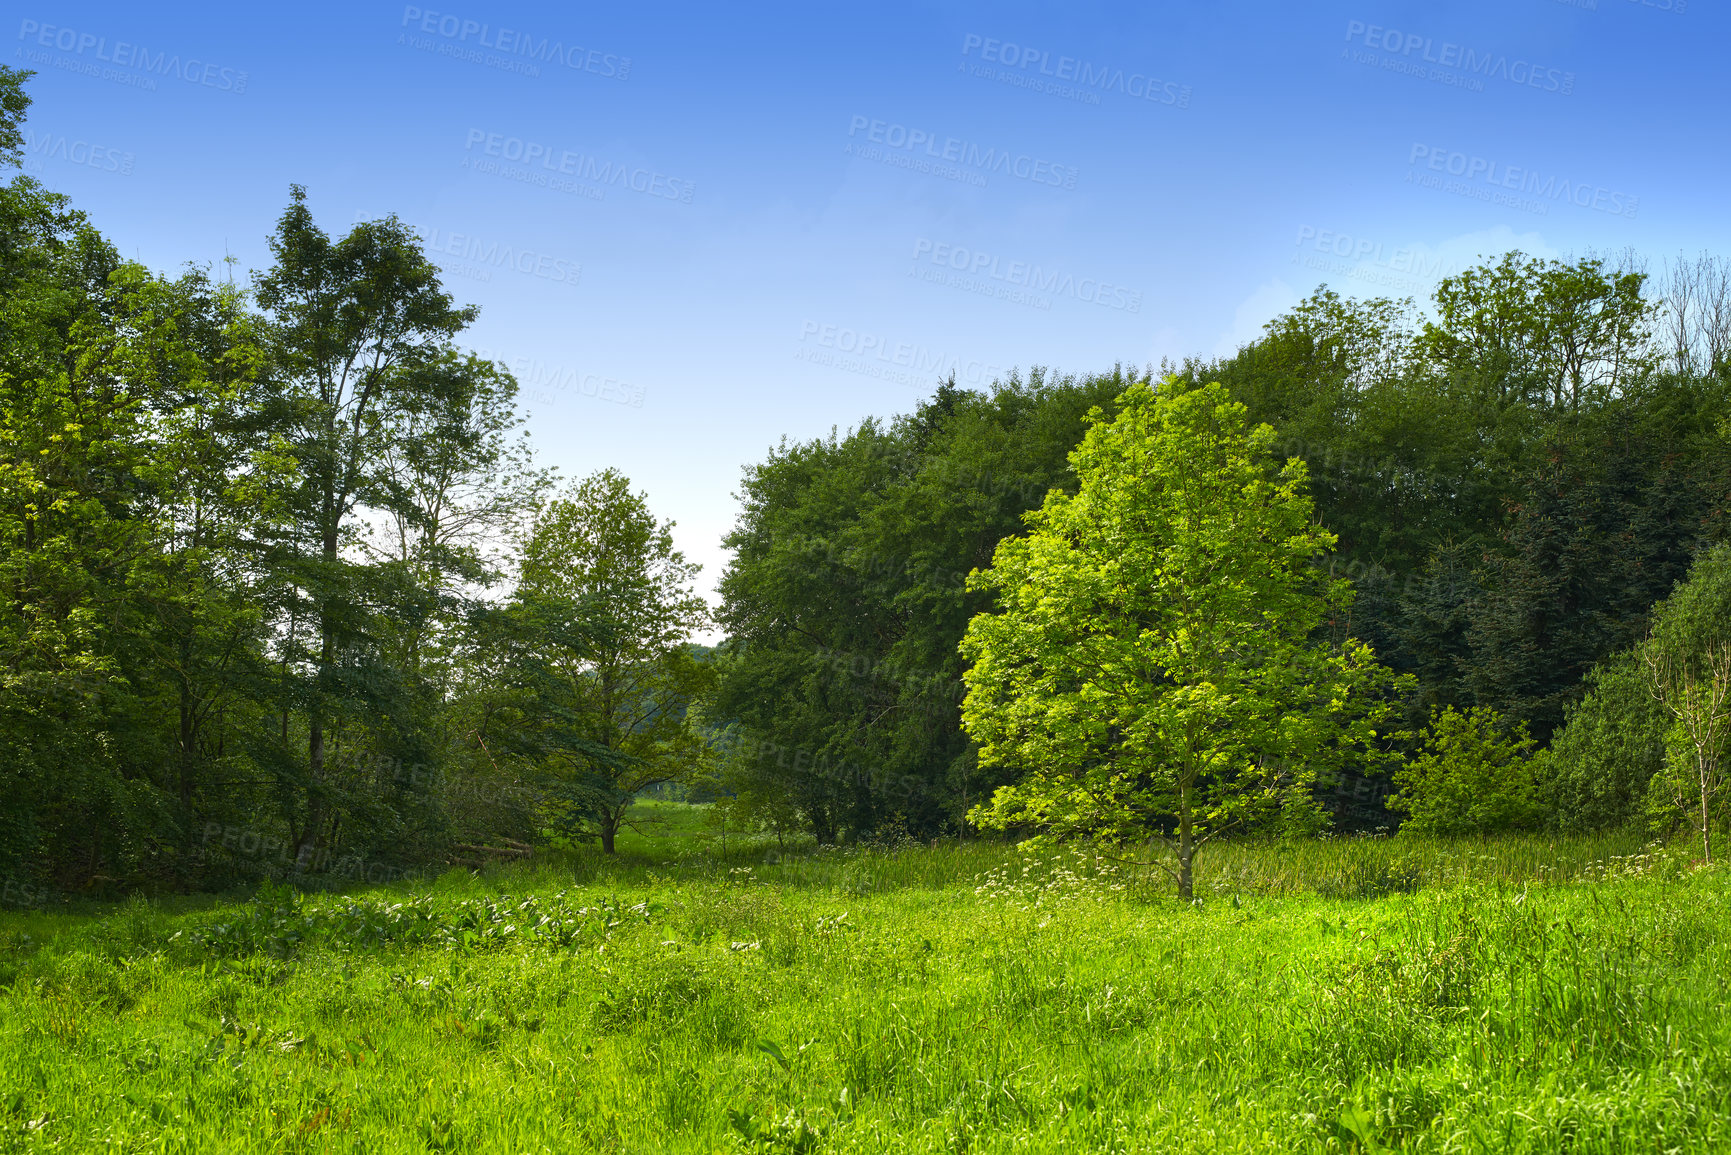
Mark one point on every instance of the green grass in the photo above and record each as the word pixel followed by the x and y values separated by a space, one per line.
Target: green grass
pixel 1523 994
pixel 663 829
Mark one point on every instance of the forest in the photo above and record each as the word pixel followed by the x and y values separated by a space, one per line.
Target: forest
pixel 289 594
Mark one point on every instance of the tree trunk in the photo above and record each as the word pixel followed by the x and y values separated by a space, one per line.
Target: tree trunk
pixel 188 742
pixel 315 713
pixel 1706 820
pixel 315 773
pixel 1186 843
pixel 609 828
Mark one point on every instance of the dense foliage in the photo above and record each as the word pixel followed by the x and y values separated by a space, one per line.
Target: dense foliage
pixel 841 686
pixel 1514 481
pixel 255 543
pixel 1473 775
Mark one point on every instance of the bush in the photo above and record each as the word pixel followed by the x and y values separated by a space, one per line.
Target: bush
pixel 1685 656
pixel 1474 775
pixel 1596 772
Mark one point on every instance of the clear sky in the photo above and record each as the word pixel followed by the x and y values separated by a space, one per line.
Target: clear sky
pixel 694 229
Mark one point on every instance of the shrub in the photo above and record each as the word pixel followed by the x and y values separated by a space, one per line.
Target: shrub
pixel 1596 772
pixel 1688 659
pixel 1474 775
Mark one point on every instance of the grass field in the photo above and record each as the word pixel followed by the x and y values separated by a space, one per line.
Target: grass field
pixel 1522 995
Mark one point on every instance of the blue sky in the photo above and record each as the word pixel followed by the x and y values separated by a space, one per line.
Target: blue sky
pixel 694 230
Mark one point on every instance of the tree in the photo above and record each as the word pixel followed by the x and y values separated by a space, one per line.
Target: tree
pixel 461 487
pixel 1486 328
pixel 1154 669
pixel 1356 343
pixel 71 436
pixel 840 692
pixel 211 487
pixel 463 484
pixel 1698 695
pixel 1474 775
pixel 1537 332
pixel 1602 528
pixel 1597 328
pixel 14 103
pixel 802 601
pixel 1696 297
pixel 362 336
pixel 609 715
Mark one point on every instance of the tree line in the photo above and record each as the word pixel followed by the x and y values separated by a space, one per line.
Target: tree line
pixel 286 588
pixel 1512 482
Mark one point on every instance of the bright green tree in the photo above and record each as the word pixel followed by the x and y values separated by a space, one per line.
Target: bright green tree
pixel 1155 670
pixel 1475 775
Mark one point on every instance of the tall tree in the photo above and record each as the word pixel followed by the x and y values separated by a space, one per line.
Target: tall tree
pixel 609 715
pixel 1602 528
pixel 71 434
pixel 1542 332
pixel 1696 300
pixel 464 481
pixel 210 487
pixel 362 336
pixel 1597 330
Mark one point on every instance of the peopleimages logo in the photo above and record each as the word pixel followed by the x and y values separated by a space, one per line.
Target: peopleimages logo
pixel 543 383
pixel 491 254
pixel 1337 254
pixel 478 257
pixel 872 355
pixel 1017 276
pixel 562 162
pixel 511 42
pixel 1367 251
pixel 952 150
pixel 1399 49
pixel 1485 179
pixel 45 145
pixel 1069 70
pixel 87 46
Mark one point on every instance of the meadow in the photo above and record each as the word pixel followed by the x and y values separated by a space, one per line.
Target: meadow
pixel 1522 994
